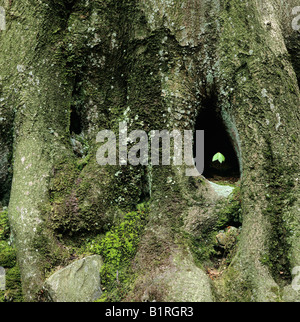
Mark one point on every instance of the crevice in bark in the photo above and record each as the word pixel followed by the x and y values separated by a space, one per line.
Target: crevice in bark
pixel 62 8
pixel 216 140
pixel 145 186
pixel 5 188
pixel 5 170
pixel 293 49
pixel 280 196
pixel 75 122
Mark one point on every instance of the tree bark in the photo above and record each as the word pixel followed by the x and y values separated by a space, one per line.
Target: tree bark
pixel 155 65
pixel 262 99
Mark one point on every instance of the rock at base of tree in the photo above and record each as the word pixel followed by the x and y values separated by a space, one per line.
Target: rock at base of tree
pixel 222 191
pixel 78 282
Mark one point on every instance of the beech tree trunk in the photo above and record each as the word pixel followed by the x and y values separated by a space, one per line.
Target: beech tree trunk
pixel 84 66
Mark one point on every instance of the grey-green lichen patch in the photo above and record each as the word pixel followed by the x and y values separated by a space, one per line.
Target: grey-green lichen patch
pixel 222 191
pixel 186 24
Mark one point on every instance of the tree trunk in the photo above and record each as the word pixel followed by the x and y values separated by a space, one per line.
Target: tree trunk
pixel 70 69
pixel 262 98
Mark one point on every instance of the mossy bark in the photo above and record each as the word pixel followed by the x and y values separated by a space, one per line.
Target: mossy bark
pixel 153 64
pixel 261 98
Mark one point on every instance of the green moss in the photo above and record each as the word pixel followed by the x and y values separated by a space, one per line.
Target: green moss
pixel 13 286
pixel 280 196
pixel 52 253
pixel 81 163
pixel 13 289
pixel 234 287
pixel 74 207
pixel 65 173
pixel 231 212
pixel 205 246
pixel 118 248
pixel 86 198
pixel 7 255
pixel 4 225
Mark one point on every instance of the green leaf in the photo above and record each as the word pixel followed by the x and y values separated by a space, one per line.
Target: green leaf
pixel 218 157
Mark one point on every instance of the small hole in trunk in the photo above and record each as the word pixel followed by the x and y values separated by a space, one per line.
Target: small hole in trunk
pixel 75 122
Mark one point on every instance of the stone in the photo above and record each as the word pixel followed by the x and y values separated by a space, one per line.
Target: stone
pixel 228 238
pixel 77 282
pixel 221 238
pixel 221 190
